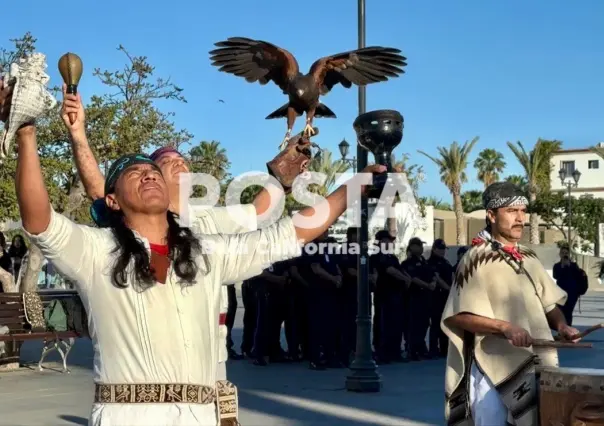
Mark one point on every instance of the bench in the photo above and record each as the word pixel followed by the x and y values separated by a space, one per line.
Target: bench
pixel 57 335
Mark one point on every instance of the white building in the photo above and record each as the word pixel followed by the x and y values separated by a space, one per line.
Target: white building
pixel 587 162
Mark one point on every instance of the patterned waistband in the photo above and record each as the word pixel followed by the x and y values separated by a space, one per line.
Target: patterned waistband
pixel 154 394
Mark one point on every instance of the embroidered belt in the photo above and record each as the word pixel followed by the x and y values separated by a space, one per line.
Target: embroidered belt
pixel 154 394
pixel 224 395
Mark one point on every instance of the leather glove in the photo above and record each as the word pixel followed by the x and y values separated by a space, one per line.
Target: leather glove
pixel 292 161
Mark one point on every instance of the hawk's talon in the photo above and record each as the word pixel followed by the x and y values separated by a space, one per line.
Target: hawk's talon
pixel 308 131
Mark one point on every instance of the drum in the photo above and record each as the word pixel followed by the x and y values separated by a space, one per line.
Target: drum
pixel 571 396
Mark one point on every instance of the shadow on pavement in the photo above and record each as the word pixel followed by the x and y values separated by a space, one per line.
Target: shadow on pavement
pixel 75 420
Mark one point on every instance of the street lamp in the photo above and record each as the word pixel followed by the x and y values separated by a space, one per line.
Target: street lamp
pixel 363 375
pixel 570 180
pixel 344 148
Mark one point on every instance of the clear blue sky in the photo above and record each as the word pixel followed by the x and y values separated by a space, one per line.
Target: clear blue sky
pixel 513 70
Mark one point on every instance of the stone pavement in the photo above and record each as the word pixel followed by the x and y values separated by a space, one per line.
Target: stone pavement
pixel 283 394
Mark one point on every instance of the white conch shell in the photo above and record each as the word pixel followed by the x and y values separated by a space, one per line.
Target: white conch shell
pixel 31 98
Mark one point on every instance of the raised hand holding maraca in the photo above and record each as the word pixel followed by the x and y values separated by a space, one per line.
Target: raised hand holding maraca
pixel 72 113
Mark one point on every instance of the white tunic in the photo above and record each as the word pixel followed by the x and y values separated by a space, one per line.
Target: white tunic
pixel 167 333
pixel 219 220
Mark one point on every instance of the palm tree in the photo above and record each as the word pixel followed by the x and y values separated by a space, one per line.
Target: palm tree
pixel 598 150
pixel 471 201
pixel 210 158
pixel 490 165
pixel 437 203
pixel 519 181
pixel 324 164
pixel 452 163
pixel 534 164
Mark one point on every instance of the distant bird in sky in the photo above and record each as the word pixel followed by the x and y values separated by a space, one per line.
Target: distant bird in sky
pixel 260 61
pixel 220 100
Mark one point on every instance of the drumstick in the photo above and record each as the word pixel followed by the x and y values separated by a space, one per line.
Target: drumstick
pixel 587 331
pixel 584 332
pixel 540 343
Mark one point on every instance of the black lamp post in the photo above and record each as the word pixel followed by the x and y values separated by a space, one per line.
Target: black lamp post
pixel 570 180
pixel 344 148
pixel 363 376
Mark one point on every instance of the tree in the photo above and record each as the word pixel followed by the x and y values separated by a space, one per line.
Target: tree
pixel 471 201
pixel 415 176
pixel 122 121
pixel 536 164
pixel 587 213
pixel 519 181
pixel 545 170
pixel 598 150
pixel 331 168
pixel 452 163
pixel 437 203
pixel 210 158
pixel 22 47
pixel 489 164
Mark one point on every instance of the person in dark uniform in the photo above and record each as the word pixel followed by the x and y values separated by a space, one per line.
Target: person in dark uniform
pixel 320 276
pixel 327 278
pixel 443 272
pixel 261 331
pixel 572 279
pixel 250 314
pixel 300 286
pixel 420 291
pixel 390 285
pixel 278 280
pixel 347 262
pixel 230 322
pixel 405 316
pixel 264 337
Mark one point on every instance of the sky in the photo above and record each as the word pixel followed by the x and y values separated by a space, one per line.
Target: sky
pixel 503 71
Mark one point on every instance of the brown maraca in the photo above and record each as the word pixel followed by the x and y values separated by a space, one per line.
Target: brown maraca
pixel 70 67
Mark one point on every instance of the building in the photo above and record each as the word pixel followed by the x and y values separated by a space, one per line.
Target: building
pixel 445 227
pixel 587 162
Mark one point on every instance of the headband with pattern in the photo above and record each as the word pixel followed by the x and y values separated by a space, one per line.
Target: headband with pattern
pixel 496 203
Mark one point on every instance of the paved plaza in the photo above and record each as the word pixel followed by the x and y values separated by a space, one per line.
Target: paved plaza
pixel 281 394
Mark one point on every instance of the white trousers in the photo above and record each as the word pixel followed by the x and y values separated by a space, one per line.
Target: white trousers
pixel 487 407
pixel 221 371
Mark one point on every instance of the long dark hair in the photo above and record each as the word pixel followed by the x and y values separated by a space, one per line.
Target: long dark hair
pixel 13 251
pixel 184 247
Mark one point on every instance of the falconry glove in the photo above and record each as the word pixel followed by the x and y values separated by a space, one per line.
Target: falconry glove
pixel 292 161
pixel 30 99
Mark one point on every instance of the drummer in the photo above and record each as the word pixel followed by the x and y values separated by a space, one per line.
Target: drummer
pixel 501 300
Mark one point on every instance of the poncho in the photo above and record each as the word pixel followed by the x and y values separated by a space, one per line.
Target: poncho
pixel 491 283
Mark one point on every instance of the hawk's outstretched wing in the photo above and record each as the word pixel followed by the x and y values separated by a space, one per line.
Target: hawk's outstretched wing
pixel 255 60
pixel 360 67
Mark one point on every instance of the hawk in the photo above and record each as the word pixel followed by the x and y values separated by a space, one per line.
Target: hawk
pixel 260 61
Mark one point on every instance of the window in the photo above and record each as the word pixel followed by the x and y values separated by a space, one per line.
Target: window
pixel 593 164
pixel 568 166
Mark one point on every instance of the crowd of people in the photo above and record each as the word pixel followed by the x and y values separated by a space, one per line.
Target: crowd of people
pixel 314 298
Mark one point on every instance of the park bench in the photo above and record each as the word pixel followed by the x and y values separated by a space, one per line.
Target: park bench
pixel 55 317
